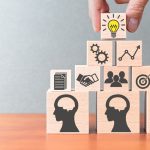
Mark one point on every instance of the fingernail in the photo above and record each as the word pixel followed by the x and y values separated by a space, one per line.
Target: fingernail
pixel 133 24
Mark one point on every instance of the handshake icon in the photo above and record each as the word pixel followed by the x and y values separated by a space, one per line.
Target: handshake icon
pixel 87 80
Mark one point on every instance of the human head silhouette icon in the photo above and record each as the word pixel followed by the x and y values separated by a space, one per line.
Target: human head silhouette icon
pixel 110 74
pixel 122 77
pixel 110 77
pixel 116 115
pixel 116 78
pixel 121 74
pixel 66 115
pixel 116 82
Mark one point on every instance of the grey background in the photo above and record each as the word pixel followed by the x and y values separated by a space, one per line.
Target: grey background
pixel 39 35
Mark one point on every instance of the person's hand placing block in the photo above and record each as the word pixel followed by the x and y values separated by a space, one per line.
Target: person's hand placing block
pixel 67 112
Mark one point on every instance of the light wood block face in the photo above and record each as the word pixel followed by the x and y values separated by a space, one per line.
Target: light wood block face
pixel 129 53
pixel 60 80
pixel 118 112
pixel 87 78
pixel 99 53
pixel 116 78
pixel 148 111
pixel 141 78
pixel 67 112
pixel 113 25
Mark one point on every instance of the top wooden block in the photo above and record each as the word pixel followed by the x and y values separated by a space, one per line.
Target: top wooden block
pixel 113 26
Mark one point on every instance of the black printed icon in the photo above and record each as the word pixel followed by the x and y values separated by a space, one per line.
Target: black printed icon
pixel 116 80
pixel 116 115
pixel 143 81
pixel 101 56
pixel 60 81
pixel 66 116
pixel 126 52
pixel 87 80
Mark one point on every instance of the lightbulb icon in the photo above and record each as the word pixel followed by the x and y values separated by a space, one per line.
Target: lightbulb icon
pixel 113 26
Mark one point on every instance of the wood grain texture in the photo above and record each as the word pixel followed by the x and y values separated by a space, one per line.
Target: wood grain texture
pixel 68 115
pixel 107 114
pixel 116 71
pixel 140 78
pixel 67 79
pixel 148 111
pixel 28 132
pixel 99 53
pixel 89 73
pixel 129 53
pixel 107 25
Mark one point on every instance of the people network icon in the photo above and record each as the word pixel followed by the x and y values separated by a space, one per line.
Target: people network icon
pixel 116 80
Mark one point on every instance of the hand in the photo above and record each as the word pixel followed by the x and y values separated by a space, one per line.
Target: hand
pixel 134 12
pixel 87 79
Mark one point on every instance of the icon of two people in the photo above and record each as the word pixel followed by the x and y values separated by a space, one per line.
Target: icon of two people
pixel 116 80
pixel 68 121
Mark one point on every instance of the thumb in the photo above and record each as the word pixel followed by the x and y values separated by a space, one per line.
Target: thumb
pixel 134 14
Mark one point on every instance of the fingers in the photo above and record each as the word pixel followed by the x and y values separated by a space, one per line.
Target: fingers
pixel 95 8
pixel 134 13
pixel 121 1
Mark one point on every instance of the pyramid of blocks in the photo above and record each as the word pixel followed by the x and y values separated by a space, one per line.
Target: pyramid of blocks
pixel 114 71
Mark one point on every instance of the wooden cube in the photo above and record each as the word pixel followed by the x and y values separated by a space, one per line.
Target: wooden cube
pixel 141 78
pixel 60 80
pixel 99 53
pixel 113 25
pixel 118 112
pixel 116 78
pixel 67 112
pixel 129 53
pixel 87 78
pixel 148 111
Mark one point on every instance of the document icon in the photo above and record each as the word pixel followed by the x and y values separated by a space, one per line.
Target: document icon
pixel 60 81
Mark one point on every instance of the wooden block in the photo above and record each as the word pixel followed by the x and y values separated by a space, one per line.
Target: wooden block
pixel 99 53
pixel 129 53
pixel 118 112
pixel 67 112
pixel 148 111
pixel 141 78
pixel 113 25
pixel 87 78
pixel 116 78
pixel 60 80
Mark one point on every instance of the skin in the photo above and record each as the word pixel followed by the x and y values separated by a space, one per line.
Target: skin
pixel 134 12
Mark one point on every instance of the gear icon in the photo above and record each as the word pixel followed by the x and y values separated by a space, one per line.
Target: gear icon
pixel 95 48
pixel 101 57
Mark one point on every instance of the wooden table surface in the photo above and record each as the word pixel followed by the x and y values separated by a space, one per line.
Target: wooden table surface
pixel 27 132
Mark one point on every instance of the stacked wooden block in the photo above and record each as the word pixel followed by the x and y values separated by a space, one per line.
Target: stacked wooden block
pixel 114 71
